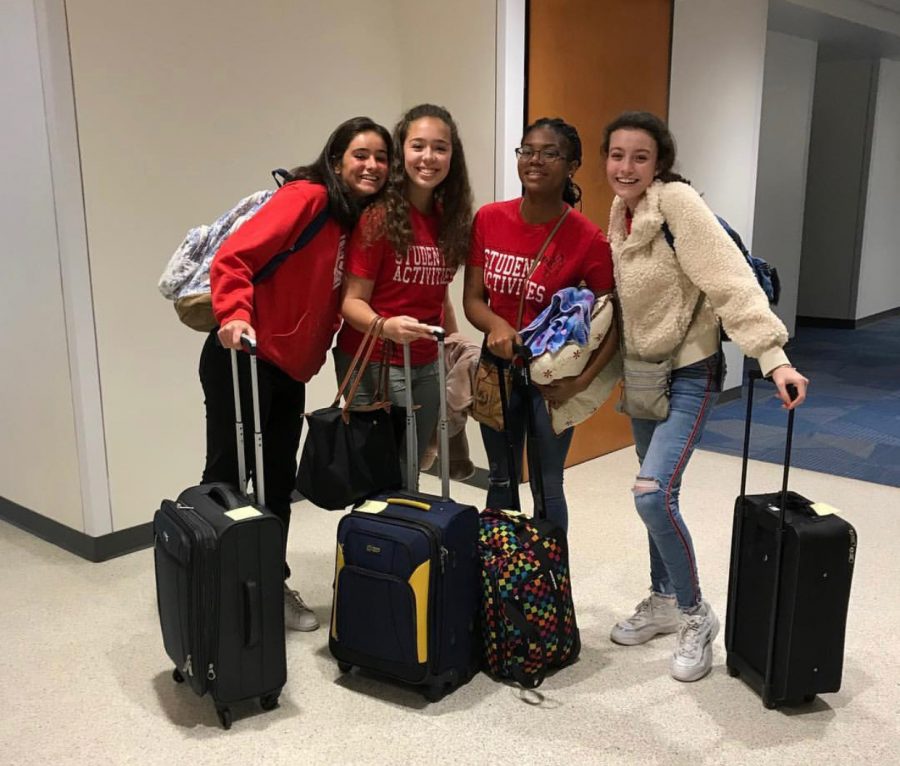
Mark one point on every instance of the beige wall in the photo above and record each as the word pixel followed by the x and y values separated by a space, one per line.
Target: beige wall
pixel 182 109
pixel 38 455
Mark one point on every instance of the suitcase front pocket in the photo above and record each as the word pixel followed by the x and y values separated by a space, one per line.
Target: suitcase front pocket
pixel 380 616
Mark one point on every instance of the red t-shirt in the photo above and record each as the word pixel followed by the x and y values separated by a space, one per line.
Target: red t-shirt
pixel 504 245
pixel 411 285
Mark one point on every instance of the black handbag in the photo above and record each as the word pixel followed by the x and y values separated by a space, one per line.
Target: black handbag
pixel 351 453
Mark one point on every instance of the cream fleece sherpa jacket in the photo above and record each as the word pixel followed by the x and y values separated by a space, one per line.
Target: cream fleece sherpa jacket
pixel 658 288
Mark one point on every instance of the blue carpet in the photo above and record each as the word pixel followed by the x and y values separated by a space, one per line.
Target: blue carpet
pixel 850 423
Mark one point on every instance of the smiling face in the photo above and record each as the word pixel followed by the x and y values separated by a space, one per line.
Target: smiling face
pixel 539 175
pixel 427 152
pixel 364 164
pixel 631 163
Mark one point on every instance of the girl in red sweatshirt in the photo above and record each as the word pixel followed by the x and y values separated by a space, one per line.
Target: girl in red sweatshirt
pixel 293 314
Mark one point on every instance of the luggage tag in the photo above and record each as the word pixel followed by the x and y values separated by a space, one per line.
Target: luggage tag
pixel 372 506
pixel 823 509
pixel 243 513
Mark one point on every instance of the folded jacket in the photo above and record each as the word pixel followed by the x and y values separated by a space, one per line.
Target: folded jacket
pixel 570 360
pixel 566 320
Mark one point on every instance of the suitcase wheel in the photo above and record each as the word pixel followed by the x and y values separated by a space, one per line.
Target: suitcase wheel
pixel 807 698
pixel 769 704
pixel 344 667
pixel 268 701
pixel 177 677
pixel 733 672
pixel 434 692
pixel 224 714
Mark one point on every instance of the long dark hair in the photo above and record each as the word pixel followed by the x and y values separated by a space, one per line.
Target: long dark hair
pixel 571 142
pixel 659 131
pixel 452 197
pixel 342 205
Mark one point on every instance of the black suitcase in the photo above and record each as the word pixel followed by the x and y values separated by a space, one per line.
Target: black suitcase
pixel 788 590
pixel 220 584
pixel 406 577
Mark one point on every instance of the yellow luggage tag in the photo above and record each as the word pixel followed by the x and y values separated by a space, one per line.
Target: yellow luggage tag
pixel 372 506
pixel 245 512
pixel 824 509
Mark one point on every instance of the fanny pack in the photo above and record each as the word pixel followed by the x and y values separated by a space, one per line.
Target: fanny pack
pixel 647 386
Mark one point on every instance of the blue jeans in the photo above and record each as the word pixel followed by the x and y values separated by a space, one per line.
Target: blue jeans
pixel 553 451
pixel 663 449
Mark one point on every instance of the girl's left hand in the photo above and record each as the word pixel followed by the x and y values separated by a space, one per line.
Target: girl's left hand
pixel 782 377
pixel 559 391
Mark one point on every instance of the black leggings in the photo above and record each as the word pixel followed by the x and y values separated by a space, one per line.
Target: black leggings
pixel 281 403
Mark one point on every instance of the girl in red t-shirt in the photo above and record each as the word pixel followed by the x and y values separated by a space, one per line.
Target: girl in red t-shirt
pixel 403 256
pixel 506 237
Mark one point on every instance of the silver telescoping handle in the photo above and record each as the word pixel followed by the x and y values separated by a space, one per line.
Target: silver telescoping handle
pixel 412 439
pixel 258 479
pixel 443 423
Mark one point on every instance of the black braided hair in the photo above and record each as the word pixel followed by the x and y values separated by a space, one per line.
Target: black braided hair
pixel 571 145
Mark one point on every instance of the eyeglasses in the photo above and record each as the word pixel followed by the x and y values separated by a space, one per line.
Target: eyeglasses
pixel 525 153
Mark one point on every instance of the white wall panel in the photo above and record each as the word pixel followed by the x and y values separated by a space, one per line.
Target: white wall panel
pixel 38 454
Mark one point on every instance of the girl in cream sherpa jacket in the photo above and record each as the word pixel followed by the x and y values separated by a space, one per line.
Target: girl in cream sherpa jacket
pixel 658 288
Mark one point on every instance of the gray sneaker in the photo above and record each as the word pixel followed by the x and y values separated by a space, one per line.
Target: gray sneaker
pixel 654 615
pixel 297 615
pixel 693 647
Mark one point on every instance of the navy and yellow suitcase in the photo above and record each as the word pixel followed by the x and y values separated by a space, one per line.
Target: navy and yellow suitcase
pixel 219 559
pixel 788 590
pixel 406 577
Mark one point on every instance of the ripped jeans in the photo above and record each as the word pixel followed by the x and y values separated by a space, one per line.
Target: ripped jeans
pixel 663 449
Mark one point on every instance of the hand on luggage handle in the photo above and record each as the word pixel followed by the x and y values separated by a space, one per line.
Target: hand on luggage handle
pixel 248 343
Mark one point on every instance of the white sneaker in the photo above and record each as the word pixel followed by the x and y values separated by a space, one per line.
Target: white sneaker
pixel 654 615
pixel 297 615
pixel 693 647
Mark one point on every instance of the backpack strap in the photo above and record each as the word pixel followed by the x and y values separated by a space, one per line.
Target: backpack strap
pixel 667 233
pixel 281 176
pixel 314 227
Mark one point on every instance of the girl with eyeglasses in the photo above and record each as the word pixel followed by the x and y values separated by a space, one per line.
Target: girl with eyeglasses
pixel 402 257
pixel 506 238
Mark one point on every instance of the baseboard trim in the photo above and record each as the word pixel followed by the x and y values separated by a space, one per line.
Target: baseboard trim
pixel 95 549
pixel 846 324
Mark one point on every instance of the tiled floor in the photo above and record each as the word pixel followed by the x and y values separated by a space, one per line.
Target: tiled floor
pixel 84 679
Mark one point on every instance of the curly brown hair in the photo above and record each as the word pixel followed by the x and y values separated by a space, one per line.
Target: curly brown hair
pixel 452 197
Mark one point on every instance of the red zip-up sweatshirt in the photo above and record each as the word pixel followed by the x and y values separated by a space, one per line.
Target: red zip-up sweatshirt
pixel 295 310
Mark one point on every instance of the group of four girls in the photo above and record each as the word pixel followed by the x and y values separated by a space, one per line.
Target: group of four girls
pixel 400 225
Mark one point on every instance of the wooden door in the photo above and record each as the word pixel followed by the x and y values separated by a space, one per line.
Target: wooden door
pixel 589 60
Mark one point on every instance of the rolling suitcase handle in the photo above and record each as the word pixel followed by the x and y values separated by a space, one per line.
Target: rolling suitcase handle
pixel 779 532
pixel 258 480
pixel 521 365
pixel 412 440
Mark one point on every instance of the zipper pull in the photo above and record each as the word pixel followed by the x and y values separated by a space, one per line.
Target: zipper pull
pixel 188 667
pixel 443 558
pixel 211 672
